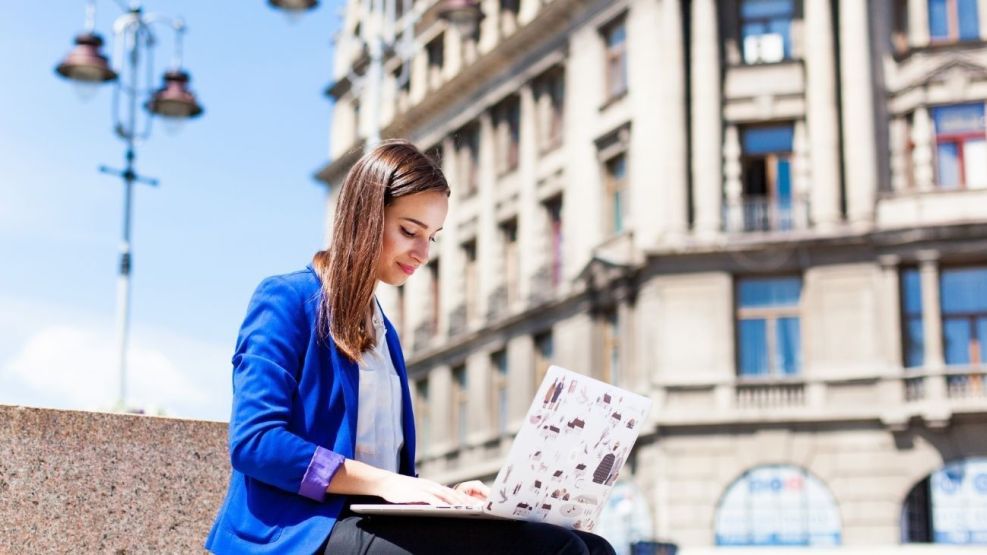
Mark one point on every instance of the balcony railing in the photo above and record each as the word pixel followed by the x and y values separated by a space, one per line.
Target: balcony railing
pixel 770 395
pixel 497 305
pixel 761 213
pixel 542 285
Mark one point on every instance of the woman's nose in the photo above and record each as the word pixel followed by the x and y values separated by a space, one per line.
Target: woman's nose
pixel 420 251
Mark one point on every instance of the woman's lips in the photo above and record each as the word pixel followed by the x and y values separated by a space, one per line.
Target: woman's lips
pixel 407 269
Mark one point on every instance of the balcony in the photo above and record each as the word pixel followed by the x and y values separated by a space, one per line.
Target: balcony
pixel 752 214
pixel 898 400
pixel 543 285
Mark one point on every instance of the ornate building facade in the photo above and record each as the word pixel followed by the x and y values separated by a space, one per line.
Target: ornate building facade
pixel 768 215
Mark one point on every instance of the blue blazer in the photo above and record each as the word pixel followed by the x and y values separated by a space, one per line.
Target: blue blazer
pixel 295 400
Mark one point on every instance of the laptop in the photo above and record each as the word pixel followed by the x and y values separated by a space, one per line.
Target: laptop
pixel 563 463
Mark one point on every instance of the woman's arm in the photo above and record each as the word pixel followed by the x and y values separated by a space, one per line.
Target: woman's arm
pixel 357 478
pixel 269 350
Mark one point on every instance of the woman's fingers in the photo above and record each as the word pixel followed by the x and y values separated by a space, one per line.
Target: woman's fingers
pixel 476 489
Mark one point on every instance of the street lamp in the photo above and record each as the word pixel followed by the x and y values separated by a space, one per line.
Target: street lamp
pixel 134 41
pixel 377 35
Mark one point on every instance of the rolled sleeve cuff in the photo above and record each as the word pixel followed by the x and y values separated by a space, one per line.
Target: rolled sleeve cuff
pixel 320 471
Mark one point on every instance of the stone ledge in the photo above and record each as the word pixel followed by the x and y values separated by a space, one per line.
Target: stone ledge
pixel 86 482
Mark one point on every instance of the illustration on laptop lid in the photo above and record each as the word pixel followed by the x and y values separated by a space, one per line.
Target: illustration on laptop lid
pixel 564 461
pixel 575 438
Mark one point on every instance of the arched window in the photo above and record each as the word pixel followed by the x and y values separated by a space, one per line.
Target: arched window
pixel 949 506
pixel 777 505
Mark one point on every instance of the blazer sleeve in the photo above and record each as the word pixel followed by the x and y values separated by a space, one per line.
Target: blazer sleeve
pixel 268 356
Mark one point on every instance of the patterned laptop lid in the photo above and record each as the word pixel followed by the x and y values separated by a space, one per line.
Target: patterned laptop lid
pixel 567 455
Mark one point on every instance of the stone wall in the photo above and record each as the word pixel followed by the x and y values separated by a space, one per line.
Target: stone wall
pixel 86 482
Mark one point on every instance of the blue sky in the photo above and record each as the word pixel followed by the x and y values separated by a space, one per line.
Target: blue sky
pixel 236 202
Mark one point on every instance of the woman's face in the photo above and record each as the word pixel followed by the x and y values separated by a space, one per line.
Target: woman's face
pixel 410 225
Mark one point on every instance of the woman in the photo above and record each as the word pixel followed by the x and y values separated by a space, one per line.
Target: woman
pixel 321 408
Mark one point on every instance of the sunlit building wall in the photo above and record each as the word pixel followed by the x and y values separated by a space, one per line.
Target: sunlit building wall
pixel 768 215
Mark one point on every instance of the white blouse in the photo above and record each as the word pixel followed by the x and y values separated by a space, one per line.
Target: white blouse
pixel 378 426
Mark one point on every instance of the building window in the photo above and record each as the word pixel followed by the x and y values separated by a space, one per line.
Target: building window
pixel 553 210
pixel 616 182
pixel 498 362
pixel 402 88
pixel 765 29
pixel 769 335
pixel 911 312
pixel 615 39
pixel 471 289
pixel 766 163
pixel 508 233
pixel 435 295
pixel 963 294
pixel 610 321
pixel 550 102
pixel 423 415
pixel 356 119
pixel 544 355
pixel 435 53
pixel 507 130
pixel 467 142
pixel 460 404
pixel 953 20
pixel 961 149
pixel 948 506
pixel 777 505
pixel 899 26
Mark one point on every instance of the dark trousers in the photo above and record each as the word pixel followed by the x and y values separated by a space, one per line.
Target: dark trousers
pixel 402 535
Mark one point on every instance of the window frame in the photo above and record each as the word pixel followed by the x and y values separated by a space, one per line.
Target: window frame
pixel 460 403
pixel 771 316
pixel 960 140
pixel 952 23
pixel 766 21
pixel 507 132
pixel 511 252
pixel 617 191
pixel 615 56
pixel 777 215
pixel 499 400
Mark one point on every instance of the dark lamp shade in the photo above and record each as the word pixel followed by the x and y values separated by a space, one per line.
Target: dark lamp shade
pixel 85 62
pixel 174 99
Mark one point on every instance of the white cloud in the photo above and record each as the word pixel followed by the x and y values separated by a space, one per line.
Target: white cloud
pixel 75 367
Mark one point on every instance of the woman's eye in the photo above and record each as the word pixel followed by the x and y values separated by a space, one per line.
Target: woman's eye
pixel 407 233
pixel 431 240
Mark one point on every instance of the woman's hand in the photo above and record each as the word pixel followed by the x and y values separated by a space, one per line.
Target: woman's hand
pixel 477 490
pixel 397 488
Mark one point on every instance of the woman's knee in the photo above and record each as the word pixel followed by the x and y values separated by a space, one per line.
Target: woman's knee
pixel 548 538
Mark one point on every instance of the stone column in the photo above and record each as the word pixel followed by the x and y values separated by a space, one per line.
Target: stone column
pixel 922 167
pixel 672 75
pixel 900 163
pixel 802 176
pixel 822 114
pixel 706 118
pixel 732 186
pixel 487 237
pixel 890 310
pixel 528 206
pixel 935 384
pixel 931 315
pixel 860 138
pixel 918 23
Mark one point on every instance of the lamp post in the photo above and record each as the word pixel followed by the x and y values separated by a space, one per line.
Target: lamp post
pixel 377 34
pixel 131 75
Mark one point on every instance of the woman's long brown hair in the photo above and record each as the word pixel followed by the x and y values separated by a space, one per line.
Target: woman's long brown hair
pixel 347 268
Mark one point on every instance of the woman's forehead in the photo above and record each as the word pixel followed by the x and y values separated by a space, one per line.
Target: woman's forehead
pixel 426 209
